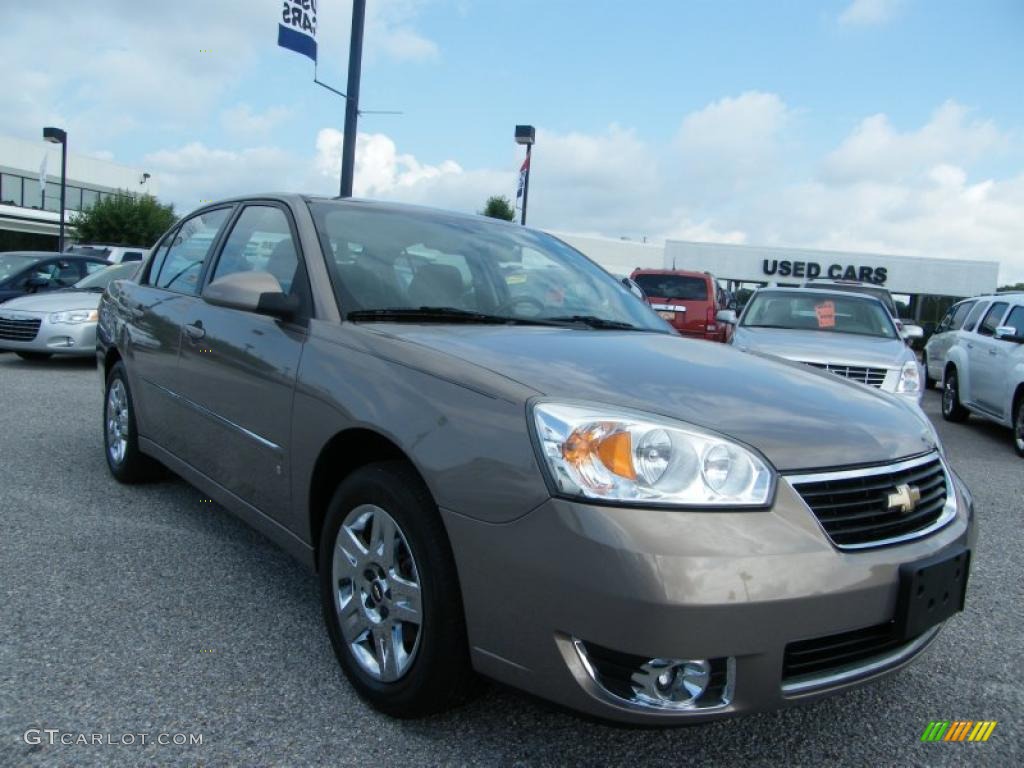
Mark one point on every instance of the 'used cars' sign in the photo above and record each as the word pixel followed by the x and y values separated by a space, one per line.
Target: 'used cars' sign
pixel 812 269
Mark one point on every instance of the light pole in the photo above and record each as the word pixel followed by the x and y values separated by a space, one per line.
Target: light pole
pixel 355 65
pixel 60 136
pixel 525 134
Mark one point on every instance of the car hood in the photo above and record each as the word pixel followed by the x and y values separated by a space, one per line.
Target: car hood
pixel 798 417
pixel 824 347
pixel 54 301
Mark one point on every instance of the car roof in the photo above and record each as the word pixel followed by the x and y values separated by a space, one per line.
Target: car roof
pixel 681 272
pixel 43 254
pixel 819 292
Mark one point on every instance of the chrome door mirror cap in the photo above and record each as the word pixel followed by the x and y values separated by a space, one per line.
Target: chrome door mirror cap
pixel 912 332
pixel 1009 333
pixel 727 316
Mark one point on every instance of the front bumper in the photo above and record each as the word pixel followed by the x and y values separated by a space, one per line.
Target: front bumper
pixel 674 584
pixel 77 340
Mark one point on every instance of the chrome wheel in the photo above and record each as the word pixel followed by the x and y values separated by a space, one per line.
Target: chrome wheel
pixel 377 593
pixel 117 421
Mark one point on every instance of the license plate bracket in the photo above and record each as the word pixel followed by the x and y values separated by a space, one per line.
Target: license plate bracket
pixel 931 591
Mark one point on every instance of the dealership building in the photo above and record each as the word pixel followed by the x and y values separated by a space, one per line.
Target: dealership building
pixel 923 287
pixel 30 210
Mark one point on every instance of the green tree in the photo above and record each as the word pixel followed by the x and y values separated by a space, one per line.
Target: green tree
pixel 499 207
pixel 1015 287
pixel 124 220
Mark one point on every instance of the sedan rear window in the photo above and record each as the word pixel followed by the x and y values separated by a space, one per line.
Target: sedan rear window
pixel 678 287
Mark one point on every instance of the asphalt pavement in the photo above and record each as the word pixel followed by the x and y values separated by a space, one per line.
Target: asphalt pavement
pixel 148 610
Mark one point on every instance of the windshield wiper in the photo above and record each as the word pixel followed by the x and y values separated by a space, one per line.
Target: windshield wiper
pixel 441 315
pixel 593 321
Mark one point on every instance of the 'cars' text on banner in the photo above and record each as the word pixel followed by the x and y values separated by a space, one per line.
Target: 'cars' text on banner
pixel 297 29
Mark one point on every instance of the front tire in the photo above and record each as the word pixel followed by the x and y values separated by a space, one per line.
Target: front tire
pixel 952 409
pixel 120 436
pixel 390 594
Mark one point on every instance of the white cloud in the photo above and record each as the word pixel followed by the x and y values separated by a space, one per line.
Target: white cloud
pixel 875 150
pixel 917 191
pixel 869 12
pixel 240 121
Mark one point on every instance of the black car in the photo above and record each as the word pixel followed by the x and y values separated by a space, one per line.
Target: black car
pixel 23 272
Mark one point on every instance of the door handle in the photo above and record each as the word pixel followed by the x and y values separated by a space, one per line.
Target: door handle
pixel 970 345
pixel 195 330
pixel 994 352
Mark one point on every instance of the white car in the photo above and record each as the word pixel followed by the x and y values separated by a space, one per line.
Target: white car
pixel 984 370
pixel 940 342
pixel 115 254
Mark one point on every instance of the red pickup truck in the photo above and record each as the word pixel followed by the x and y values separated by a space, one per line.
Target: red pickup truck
pixel 688 300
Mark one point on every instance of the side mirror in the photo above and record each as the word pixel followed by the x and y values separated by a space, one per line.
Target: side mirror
pixel 912 332
pixel 257 292
pixel 1009 333
pixel 635 289
pixel 727 316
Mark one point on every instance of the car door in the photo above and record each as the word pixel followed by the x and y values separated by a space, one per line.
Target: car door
pixel 987 356
pixel 157 306
pixel 239 368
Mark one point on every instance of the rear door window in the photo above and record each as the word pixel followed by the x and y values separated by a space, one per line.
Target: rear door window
pixel 183 263
pixel 960 313
pixel 972 318
pixel 676 287
pixel 991 322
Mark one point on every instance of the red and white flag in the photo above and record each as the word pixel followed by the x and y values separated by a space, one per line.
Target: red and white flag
pixel 524 171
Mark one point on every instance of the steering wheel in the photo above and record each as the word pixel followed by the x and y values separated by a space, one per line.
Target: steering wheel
pixel 508 307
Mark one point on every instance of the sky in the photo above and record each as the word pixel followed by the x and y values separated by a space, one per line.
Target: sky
pixel 892 126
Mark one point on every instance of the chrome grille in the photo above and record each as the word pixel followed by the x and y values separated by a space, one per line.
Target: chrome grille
pixel 872 376
pixel 19 329
pixel 853 506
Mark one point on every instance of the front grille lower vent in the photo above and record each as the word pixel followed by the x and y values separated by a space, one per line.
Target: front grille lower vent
pixel 825 654
pixel 874 377
pixel 19 330
pixel 879 505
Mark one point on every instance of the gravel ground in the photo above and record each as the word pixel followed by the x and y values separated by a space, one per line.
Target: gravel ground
pixel 150 610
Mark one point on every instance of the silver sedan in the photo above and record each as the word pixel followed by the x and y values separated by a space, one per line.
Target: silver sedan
pixel 61 322
pixel 850 335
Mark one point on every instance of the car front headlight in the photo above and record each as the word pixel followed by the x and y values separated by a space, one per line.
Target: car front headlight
pixel 75 316
pixel 612 454
pixel 910 378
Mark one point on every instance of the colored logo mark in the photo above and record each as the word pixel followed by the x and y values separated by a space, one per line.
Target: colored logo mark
pixel 958 730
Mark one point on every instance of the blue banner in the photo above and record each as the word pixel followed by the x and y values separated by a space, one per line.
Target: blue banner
pixel 297 30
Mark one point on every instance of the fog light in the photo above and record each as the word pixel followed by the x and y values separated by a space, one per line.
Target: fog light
pixel 672 682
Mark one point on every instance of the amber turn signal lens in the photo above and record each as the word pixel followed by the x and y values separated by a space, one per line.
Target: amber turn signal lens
pixel 614 451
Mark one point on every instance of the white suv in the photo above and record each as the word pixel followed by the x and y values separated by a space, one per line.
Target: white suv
pixel 984 369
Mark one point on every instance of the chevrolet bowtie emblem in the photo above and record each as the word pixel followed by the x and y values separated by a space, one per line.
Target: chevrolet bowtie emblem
pixel 905 499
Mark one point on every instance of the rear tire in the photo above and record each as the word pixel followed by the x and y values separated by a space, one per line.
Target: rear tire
pixel 1018 427
pixel 929 382
pixel 388 575
pixel 952 409
pixel 35 357
pixel 120 436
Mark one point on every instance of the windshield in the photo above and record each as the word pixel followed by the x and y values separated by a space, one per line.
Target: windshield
pixel 831 312
pixel 404 260
pixel 678 287
pixel 13 263
pixel 882 294
pixel 100 280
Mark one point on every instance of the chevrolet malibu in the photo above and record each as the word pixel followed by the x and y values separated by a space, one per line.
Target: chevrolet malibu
pixel 499 462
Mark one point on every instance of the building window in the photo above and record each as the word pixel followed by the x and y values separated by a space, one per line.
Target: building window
pixel 33 197
pixel 74 199
pixel 10 189
pixel 89 198
pixel 52 198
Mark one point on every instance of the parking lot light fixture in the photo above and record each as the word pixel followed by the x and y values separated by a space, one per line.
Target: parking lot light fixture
pixel 60 136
